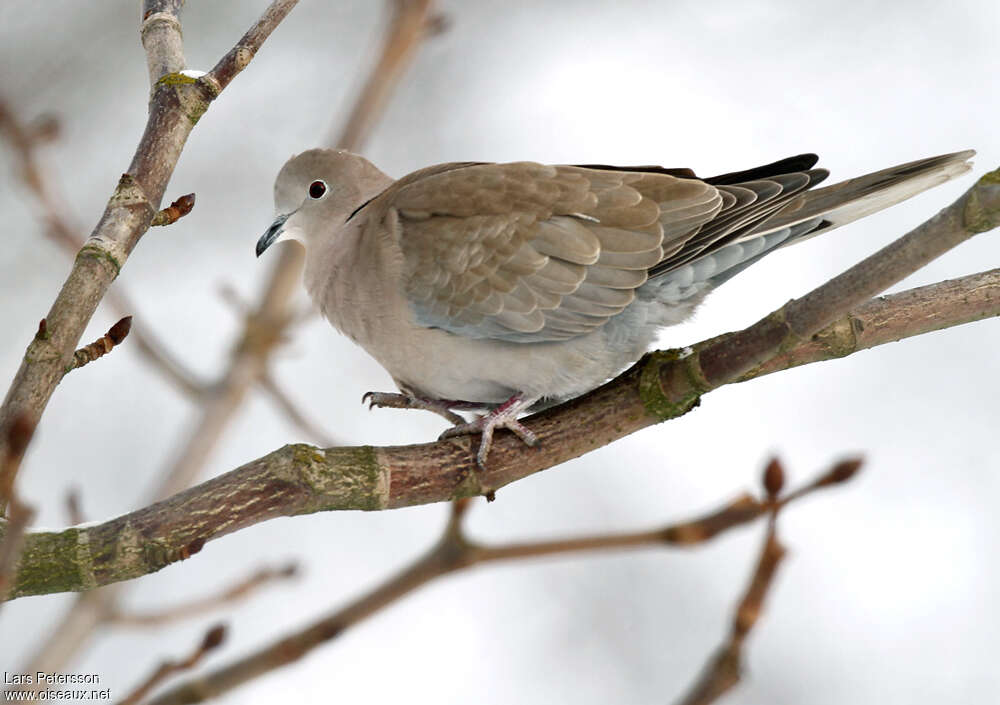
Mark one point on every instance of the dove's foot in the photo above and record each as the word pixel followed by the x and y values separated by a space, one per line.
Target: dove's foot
pixel 442 407
pixel 504 416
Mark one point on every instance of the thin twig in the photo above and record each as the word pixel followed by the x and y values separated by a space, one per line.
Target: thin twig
pixel 212 640
pixel 454 552
pixel 102 346
pixel 174 212
pixel 725 668
pixel 234 593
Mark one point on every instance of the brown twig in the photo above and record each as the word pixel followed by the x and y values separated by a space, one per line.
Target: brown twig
pixel 725 668
pixel 100 347
pixel 234 593
pixel 887 319
pixel 212 640
pixel 174 212
pixel 454 552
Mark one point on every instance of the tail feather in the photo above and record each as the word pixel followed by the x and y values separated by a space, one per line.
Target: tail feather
pixel 856 198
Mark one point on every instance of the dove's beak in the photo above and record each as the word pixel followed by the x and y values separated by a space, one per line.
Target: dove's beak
pixel 272 234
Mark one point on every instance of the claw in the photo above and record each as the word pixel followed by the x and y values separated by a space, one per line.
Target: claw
pixel 504 416
pixel 441 407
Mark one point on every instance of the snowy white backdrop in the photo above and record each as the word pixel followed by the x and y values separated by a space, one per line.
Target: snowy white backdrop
pixel 888 595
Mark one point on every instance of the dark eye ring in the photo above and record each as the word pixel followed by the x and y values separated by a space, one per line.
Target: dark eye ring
pixel 317 189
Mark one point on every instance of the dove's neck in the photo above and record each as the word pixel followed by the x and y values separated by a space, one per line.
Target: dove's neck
pixel 353 278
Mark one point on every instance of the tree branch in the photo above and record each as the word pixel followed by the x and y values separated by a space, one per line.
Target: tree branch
pixel 264 327
pixel 61 228
pixel 454 552
pixel 212 640
pixel 887 319
pixel 176 105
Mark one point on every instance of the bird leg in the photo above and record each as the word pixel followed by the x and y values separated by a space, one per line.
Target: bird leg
pixel 442 407
pixel 503 416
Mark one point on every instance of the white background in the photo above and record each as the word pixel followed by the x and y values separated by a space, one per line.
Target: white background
pixel 889 593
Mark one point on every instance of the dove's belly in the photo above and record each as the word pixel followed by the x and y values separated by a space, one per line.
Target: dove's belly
pixel 433 363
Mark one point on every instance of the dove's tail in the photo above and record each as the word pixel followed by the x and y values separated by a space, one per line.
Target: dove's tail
pixel 850 200
pixel 810 213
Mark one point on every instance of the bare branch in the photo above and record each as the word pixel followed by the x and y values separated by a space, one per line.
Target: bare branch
pixel 890 318
pixel 161 37
pixel 247 366
pixel 724 669
pixel 240 55
pixel 454 552
pixel 176 104
pixel 212 640
pixel 61 228
pixel 235 593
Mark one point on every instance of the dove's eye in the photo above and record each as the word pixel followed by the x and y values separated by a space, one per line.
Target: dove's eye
pixel 317 189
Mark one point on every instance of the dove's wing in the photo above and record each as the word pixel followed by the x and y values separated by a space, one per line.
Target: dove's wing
pixel 532 253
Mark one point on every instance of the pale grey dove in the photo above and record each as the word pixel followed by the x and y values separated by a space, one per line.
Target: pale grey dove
pixel 500 286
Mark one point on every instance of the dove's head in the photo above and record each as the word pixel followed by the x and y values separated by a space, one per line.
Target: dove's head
pixel 317 191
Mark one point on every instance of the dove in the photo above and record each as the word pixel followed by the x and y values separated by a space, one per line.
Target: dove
pixel 508 287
